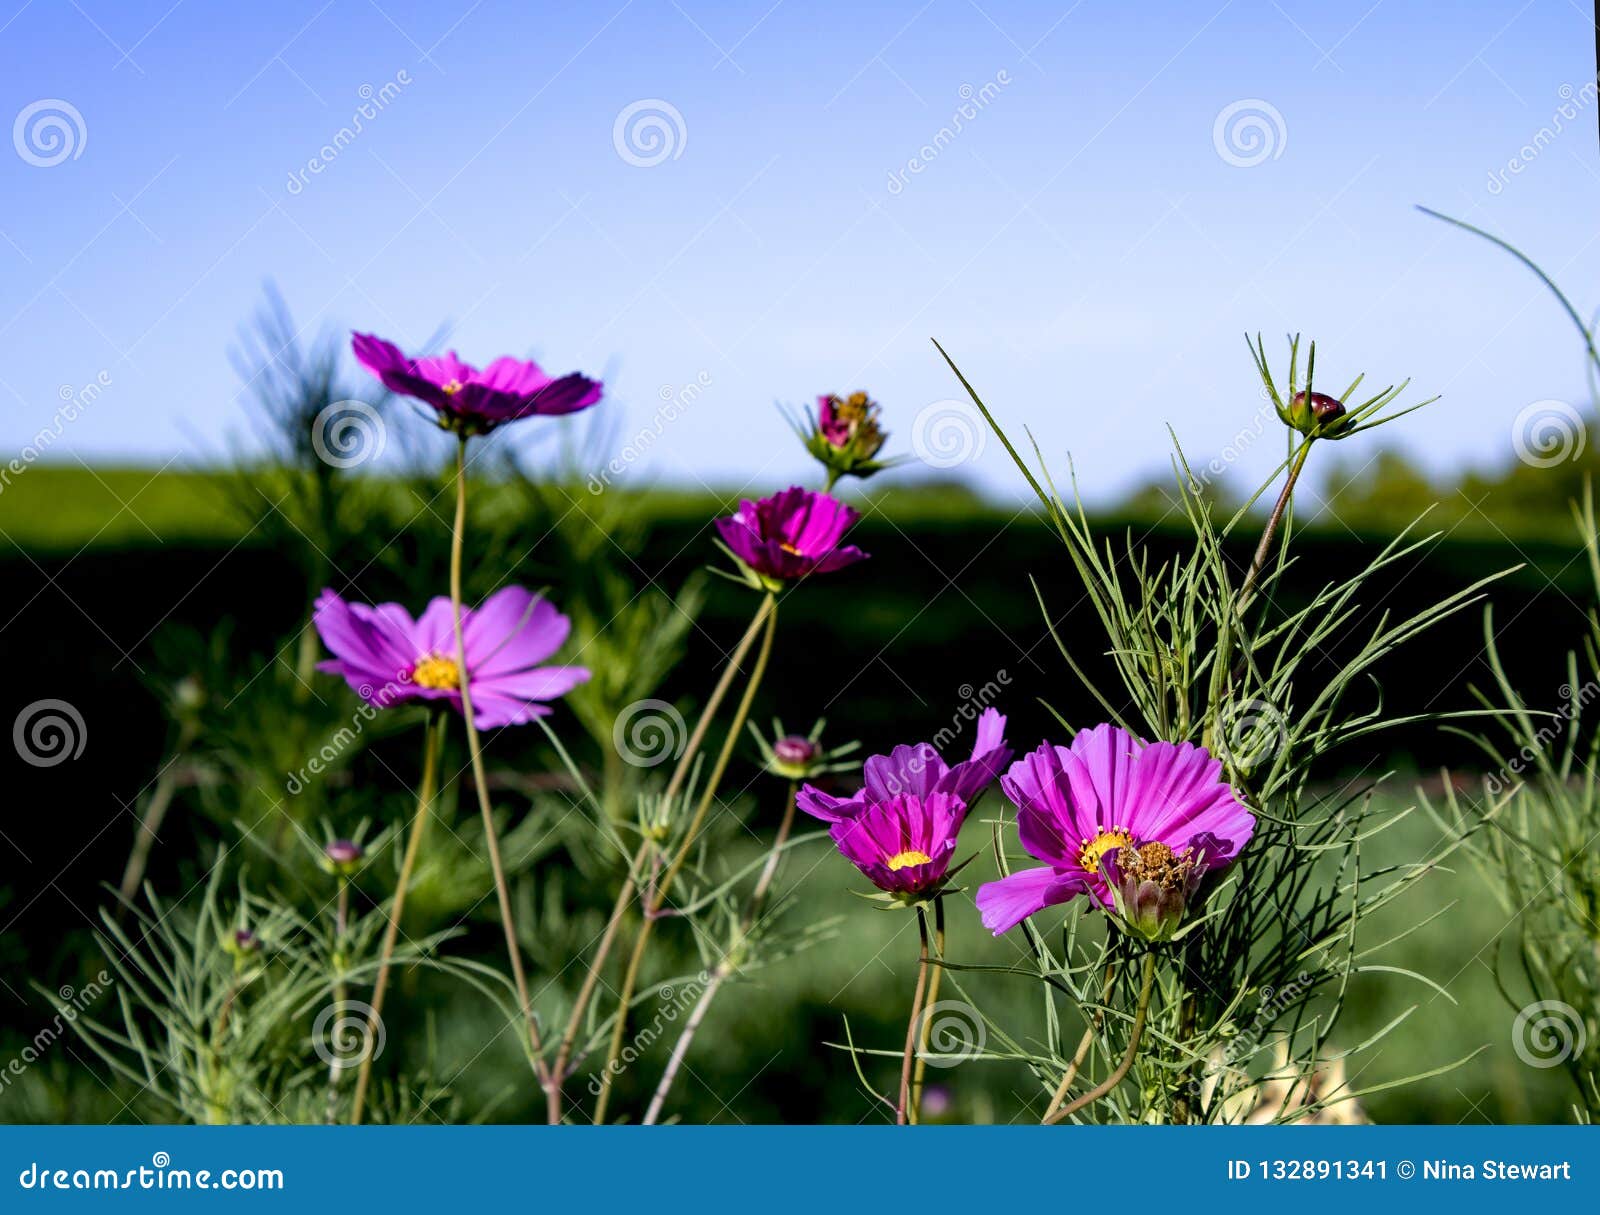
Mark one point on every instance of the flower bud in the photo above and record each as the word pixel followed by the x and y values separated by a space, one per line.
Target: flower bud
pixel 1317 414
pixel 794 756
pixel 188 694
pixel 242 943
pixel 343 856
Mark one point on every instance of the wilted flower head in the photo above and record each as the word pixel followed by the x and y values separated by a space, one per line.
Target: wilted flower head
pixel 469 401
pixel 790 535
pixel 387 657
pixel 845 435
pixel 919 770
pixel 903 845
pixel 1091 811
pixel 1151 886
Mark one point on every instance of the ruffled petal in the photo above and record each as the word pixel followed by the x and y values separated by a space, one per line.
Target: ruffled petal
pixel 914 770
pixel 828 808
pixel 1108 752
pixel 1177 792
pixel 1006 903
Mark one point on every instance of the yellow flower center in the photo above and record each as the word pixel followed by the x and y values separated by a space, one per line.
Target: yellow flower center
pixel 904 860
pixel 451 388
pixel 789 548
pixel 1094 851
pixel 436 671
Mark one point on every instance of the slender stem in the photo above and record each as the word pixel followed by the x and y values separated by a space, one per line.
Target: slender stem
pixel 1264 549
pixel 150 822
pixel 432 735
pixel 770 870
pixel 727 967
pixel 933 999
pixel 558 1073
pixel 904 1113
pixel 718 695
pixel 480 777
pixel 658 892
pixel 219 1094
pixel 1135 1037
pixel 1082 1053
pixel 680 1048
pixel 341 925
pixel 735 730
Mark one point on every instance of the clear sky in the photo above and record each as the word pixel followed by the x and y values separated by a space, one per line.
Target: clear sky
pixel 1090 244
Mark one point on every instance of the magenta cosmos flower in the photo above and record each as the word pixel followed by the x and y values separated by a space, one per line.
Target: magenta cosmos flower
pixel 918 770
pixel 1079 806
pixel 791 534
pixel 469 401
pixel 903 845
pixel 387 657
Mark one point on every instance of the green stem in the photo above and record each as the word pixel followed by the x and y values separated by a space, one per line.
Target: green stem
pixel 658 893
pixel 1082 1053
pixel 432 735
pixel 1264 549
pixel 933 998
pixel 727 967
pixel 905 1112
pixel 558 1072
pixel 557 1075
pixel 1135 1037
pixel 341 925
pixel 480 779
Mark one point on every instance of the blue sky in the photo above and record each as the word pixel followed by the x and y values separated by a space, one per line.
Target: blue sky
pixel 1081 245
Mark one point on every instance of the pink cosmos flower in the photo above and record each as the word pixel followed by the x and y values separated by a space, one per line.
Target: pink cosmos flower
pixel 387 657
pixel 467 400
pixel 1078 807
pixel 903 845
pixel 919 770
pixel 791 534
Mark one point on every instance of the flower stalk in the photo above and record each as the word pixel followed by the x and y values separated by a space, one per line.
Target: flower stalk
pixel 480 778
pixel 905 1113
pixel 933 998
pixel 558 1072
pixel 727 967
pixel 656 896
pixel 1135 1038
pixel 432 736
